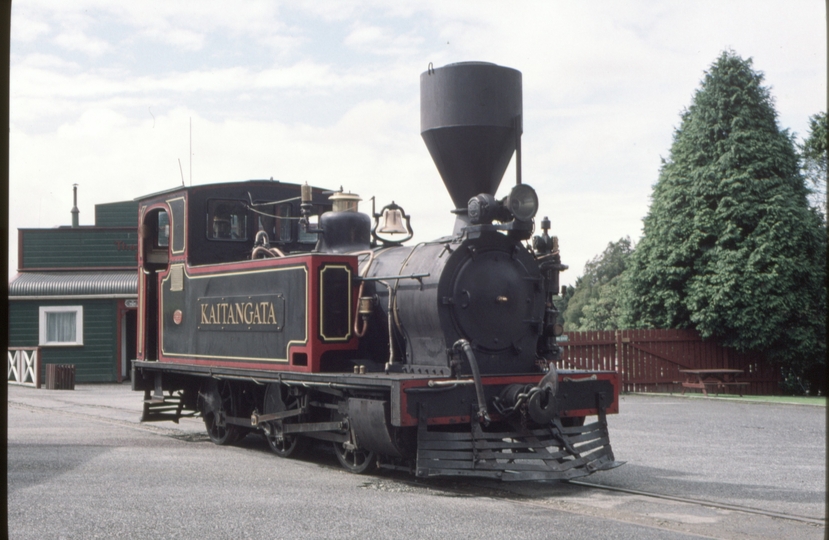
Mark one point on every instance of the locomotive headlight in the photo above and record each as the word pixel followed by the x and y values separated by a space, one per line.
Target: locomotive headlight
pixel 522 202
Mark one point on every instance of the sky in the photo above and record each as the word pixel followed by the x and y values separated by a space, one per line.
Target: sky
pixel 112 96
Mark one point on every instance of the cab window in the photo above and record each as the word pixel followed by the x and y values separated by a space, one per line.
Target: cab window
pixel 277 221
pixel 282 224
pixel 227 220
pixel 163 237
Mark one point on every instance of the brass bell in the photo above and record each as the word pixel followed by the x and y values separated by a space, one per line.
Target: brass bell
pixel 393 222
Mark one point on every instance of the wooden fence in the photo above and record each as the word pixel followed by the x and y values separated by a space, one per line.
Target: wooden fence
pixel 650 360
pixel 24 366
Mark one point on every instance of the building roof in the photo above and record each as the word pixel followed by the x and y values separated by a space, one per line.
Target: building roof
pixel 78 249
pixel 56 285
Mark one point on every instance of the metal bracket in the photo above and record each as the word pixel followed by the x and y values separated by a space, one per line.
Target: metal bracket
pixel 418 277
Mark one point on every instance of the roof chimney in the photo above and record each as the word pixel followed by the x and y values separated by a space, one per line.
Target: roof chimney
pixel 75 210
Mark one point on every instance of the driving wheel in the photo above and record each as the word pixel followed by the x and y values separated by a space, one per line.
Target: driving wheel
pixel 217 402
pixel 278 398
pixel 355 460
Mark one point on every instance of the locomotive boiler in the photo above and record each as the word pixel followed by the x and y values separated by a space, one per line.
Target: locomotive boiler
pixel 280 309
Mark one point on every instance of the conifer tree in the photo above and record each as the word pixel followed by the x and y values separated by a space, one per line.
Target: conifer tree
pixel 731 246
pixel 815 154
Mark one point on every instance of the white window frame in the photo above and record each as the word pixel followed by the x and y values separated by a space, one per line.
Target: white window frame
pixel 43 310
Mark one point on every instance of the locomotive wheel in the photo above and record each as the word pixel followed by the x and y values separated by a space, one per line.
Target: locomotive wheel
pixel 218 397
pixel 356 461
pixel 278 399
pixel 285 445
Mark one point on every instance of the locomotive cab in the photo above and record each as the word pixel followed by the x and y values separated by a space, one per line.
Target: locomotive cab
pixel 205 254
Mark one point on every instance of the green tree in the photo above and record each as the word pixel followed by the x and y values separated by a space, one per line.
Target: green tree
pixel 593 304
pixel 731 246
pixel 815 151
pixel 562 302
pixel 602 311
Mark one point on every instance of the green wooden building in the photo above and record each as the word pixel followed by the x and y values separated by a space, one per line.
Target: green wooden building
pixel 75 294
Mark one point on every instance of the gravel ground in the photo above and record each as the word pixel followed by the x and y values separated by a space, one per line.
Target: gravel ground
pixel 81 466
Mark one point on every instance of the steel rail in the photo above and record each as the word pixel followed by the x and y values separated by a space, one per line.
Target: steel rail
pixel 700 502
pixel 508 494
pixel 504 493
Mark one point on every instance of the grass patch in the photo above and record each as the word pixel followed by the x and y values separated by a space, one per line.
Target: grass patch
pixel 814 401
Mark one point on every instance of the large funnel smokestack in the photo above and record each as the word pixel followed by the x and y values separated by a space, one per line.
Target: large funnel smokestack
pixel 470 120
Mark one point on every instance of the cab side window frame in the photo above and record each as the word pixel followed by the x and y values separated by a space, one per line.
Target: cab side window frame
pixel 227 220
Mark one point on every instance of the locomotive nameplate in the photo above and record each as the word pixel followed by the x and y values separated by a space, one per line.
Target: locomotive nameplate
pixel 254 313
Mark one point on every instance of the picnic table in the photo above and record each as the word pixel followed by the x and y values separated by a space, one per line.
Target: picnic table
pixel 716 378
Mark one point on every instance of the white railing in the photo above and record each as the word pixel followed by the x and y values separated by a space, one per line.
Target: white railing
pixel 24 366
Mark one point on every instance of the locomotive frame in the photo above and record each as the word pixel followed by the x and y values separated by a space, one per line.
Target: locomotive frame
pixel 437 358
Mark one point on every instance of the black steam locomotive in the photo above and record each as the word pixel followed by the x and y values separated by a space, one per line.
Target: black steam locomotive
pixel 280 309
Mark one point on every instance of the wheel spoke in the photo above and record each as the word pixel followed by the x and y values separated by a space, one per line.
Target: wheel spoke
pixel 357 461
pixel 218 399
pixel 278 399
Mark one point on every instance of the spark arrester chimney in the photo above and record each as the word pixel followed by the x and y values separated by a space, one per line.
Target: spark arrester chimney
pixel 75 210
pixel 471 122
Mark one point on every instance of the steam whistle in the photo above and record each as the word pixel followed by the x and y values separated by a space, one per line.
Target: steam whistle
pixel 305 205
pixel 546 251
pixel 306 209
pixel 545 244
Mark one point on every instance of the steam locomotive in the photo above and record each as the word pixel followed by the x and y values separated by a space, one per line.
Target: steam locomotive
pixel 281 309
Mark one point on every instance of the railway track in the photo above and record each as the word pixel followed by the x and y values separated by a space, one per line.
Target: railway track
pixel 506 493
pixel 699 502
pixel 657 512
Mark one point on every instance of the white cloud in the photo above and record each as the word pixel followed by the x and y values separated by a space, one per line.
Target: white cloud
pixel 75 40
pixel 45 90
pixel 604 84
pixel 308 76
pixel 25 29
pixel 32 80
pixel 182 38
pixel 37 82
pixel 184 25
pixel 382 41
pixel 46 62
pixel 366 35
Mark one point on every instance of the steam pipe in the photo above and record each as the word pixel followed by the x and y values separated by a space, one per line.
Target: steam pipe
pixel 391 323
pixel 518 132
pixel 357 316
pixel 466 348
